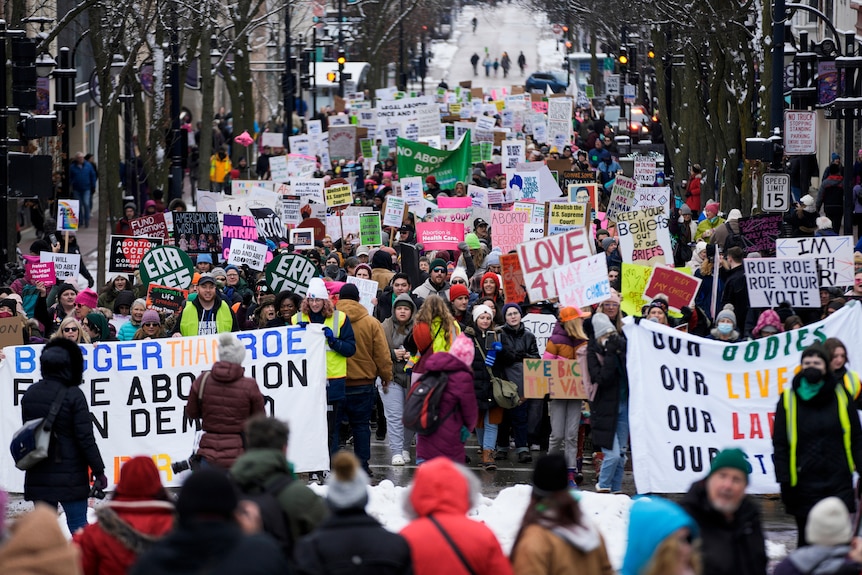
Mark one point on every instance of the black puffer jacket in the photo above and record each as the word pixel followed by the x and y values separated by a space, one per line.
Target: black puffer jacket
pixel 728 547
pixel 352 542
pixel 518 345
pixel 63 475
pixel 481 377
pixel 608 372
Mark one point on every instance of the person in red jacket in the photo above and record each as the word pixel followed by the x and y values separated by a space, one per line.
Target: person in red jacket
pixel 692 189
pixel 139 513
pixel 442 494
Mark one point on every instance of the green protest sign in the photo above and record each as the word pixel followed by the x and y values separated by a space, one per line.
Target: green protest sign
pixel 487 149
pixel 365 146
pixel 290 272
pixel 450 131
pixel 475 153
pixel 369 229
pixel 448 166
pixel 167 266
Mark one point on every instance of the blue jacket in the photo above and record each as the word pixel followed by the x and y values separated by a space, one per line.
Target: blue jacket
pixel 82 177
pixel 651 521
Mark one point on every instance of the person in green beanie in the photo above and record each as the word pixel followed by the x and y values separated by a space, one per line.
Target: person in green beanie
pixel 732 535
pixel 817 439
pixel 97 327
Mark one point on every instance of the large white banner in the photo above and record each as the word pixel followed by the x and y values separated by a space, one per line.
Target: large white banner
pixel 691 397
pixel 137 394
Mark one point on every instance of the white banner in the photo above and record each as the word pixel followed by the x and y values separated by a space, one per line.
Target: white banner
pixel 137 394
pixel 691 397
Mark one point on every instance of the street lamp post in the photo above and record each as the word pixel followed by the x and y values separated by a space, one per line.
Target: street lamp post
pixel 287 84
pixel 176 174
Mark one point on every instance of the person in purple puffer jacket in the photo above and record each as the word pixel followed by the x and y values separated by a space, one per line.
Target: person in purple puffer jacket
pixel 457 406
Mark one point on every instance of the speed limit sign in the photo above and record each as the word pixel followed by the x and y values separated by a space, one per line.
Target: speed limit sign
pixel 776 192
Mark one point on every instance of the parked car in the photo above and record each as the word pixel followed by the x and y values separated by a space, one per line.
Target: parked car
pixel 638 121
pixel 541 81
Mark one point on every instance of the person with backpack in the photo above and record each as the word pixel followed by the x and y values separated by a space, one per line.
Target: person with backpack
pixel 728 234
pixel 350 540
pixel 289 509
pixel 449 406
pixel 434 330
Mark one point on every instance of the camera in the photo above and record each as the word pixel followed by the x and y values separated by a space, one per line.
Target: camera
pixel 180 466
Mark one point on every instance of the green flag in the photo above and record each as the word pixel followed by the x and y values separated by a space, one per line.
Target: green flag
pixel 448 166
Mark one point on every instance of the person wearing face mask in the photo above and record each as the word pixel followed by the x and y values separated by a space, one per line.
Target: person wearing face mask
pixel 725 326
pixel 817 439
pixel 711 221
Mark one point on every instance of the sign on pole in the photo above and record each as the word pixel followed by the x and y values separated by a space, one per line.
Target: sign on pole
pixel 584 282
pixel 800 132
pixel 612 85
pixel 776 192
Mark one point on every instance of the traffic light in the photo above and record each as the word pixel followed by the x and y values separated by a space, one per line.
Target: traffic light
pixel 623 59
pixel 332 77
pixel 24 73
pixel 651 51
pixel 341 58
pixel 288 83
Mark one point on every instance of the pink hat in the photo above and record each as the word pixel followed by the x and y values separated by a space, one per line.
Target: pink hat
pixel 712 206
pixel 88 298
pixel 463 349
pixel 614 297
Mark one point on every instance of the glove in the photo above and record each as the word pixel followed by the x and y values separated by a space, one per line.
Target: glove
pixel 100 482
pixel 491 357
pixel 247 298
pixel 686 313
pixel 463 247
pixel 327 331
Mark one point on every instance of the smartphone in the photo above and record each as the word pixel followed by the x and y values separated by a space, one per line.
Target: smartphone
pixel 53 239
pixel 490 339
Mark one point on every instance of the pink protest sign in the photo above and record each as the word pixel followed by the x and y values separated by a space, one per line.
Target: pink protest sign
pixel 440 235
pixel 507 229
pixel 43 272
pixel 464 202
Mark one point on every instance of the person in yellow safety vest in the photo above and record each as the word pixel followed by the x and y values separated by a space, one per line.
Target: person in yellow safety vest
pixel 838 363
pixel 220 167
pixel 206 314
pixel 340 344
pixel 817 439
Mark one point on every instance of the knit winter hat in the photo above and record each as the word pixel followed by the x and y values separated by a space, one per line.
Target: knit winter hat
pixel 510 305
pixel 809 203
pixel 100 322
pixel 151 316
pixel 607 242
pixel 550 475
pixel 88 298
pixel 206 493
pixel 602 325
pixel 493 276
pixel 614 297
pixel 493 258
pixel 64 287
pixel 828 523
pixel 726 313
pixel 363 267
pixel 472 241
pixel 349 291
pixel 139 479
pixel 768 319
pixel 712 206
pixel 316 289
pixel 684 210
pixel 734 458
pixel 463 349
pixel 205 259
pixel 816 349
pixel 438 263
pixel 218 272
pixel 459 273
pixel 348 484
pixel 125 297
pixel 230 349
pixel 458 290
pixel 479 310
pixel 733 214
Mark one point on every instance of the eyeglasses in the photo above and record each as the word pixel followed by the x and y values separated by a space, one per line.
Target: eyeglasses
pixel 151 324
pixel 70 329
pixel 232 275
pixel 439 270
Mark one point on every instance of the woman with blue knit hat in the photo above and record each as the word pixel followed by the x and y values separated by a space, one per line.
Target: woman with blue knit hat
pixel 660 540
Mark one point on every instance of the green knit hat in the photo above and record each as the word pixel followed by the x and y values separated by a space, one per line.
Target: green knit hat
pixel 438 263
pixel 734 458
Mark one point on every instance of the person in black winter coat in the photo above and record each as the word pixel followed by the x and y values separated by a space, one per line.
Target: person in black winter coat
pixel 484 338
pixel 63 477
pixel 827 436
pixel 732 541
pixel 735 291
pixel 210 536
pixel 351 542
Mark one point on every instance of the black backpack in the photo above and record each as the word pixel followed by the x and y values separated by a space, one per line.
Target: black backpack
pixel 734 239
pixel 422 405
pixel 275 520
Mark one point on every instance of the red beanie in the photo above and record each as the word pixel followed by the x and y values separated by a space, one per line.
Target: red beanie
pixel 493 276
pixel 139 479
pixel 458 290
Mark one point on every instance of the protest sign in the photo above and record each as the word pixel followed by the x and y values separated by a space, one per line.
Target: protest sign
pixel 540 257
pixel 679 288
pixel 514 152
pixel 367 291
pixel 583 282
pixel 644 170
pixel 237 227
pixel 126 252
pixel 342 142
pixel 266 207
pixel 569 177
pixel 394 214
pixel 454 202
pixel 513 279
pixel 151 226
pixel 198 232
pixel 507 229
pixel 137 393
pixel 465 216
pixel 561 378
pixel 302 238
pixel 533 231
pixel 411 189
pixel 622 196
pixel 290 272
pixel 522 186
pixel 761 231
pixel 11 332
pixel 691 397
pixel 644 237
pixel 308 188
pixel 439 235
pixel 167 300
pixel 369 229
pixel 834 256
pixel 291 216
pixel 772 281
pixel 583 194
pixel 43 272
pixel 278 168
pixel 423 111
pixel 246 253
pixel 66 266
pixel 540 325
pixel 447 166
pixel 633 282
pixel 652 197
pixel 67 215
pixel 167 266
pixel 338 195
pixel 574 215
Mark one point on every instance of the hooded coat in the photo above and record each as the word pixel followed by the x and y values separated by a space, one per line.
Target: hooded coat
pixel 441 489
pixel 652 520
pixel 37 545
pixel 819 560
pixel 64 475
pixel 457 406
pixel 229 399
pixel 561 550
pixel 372 358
